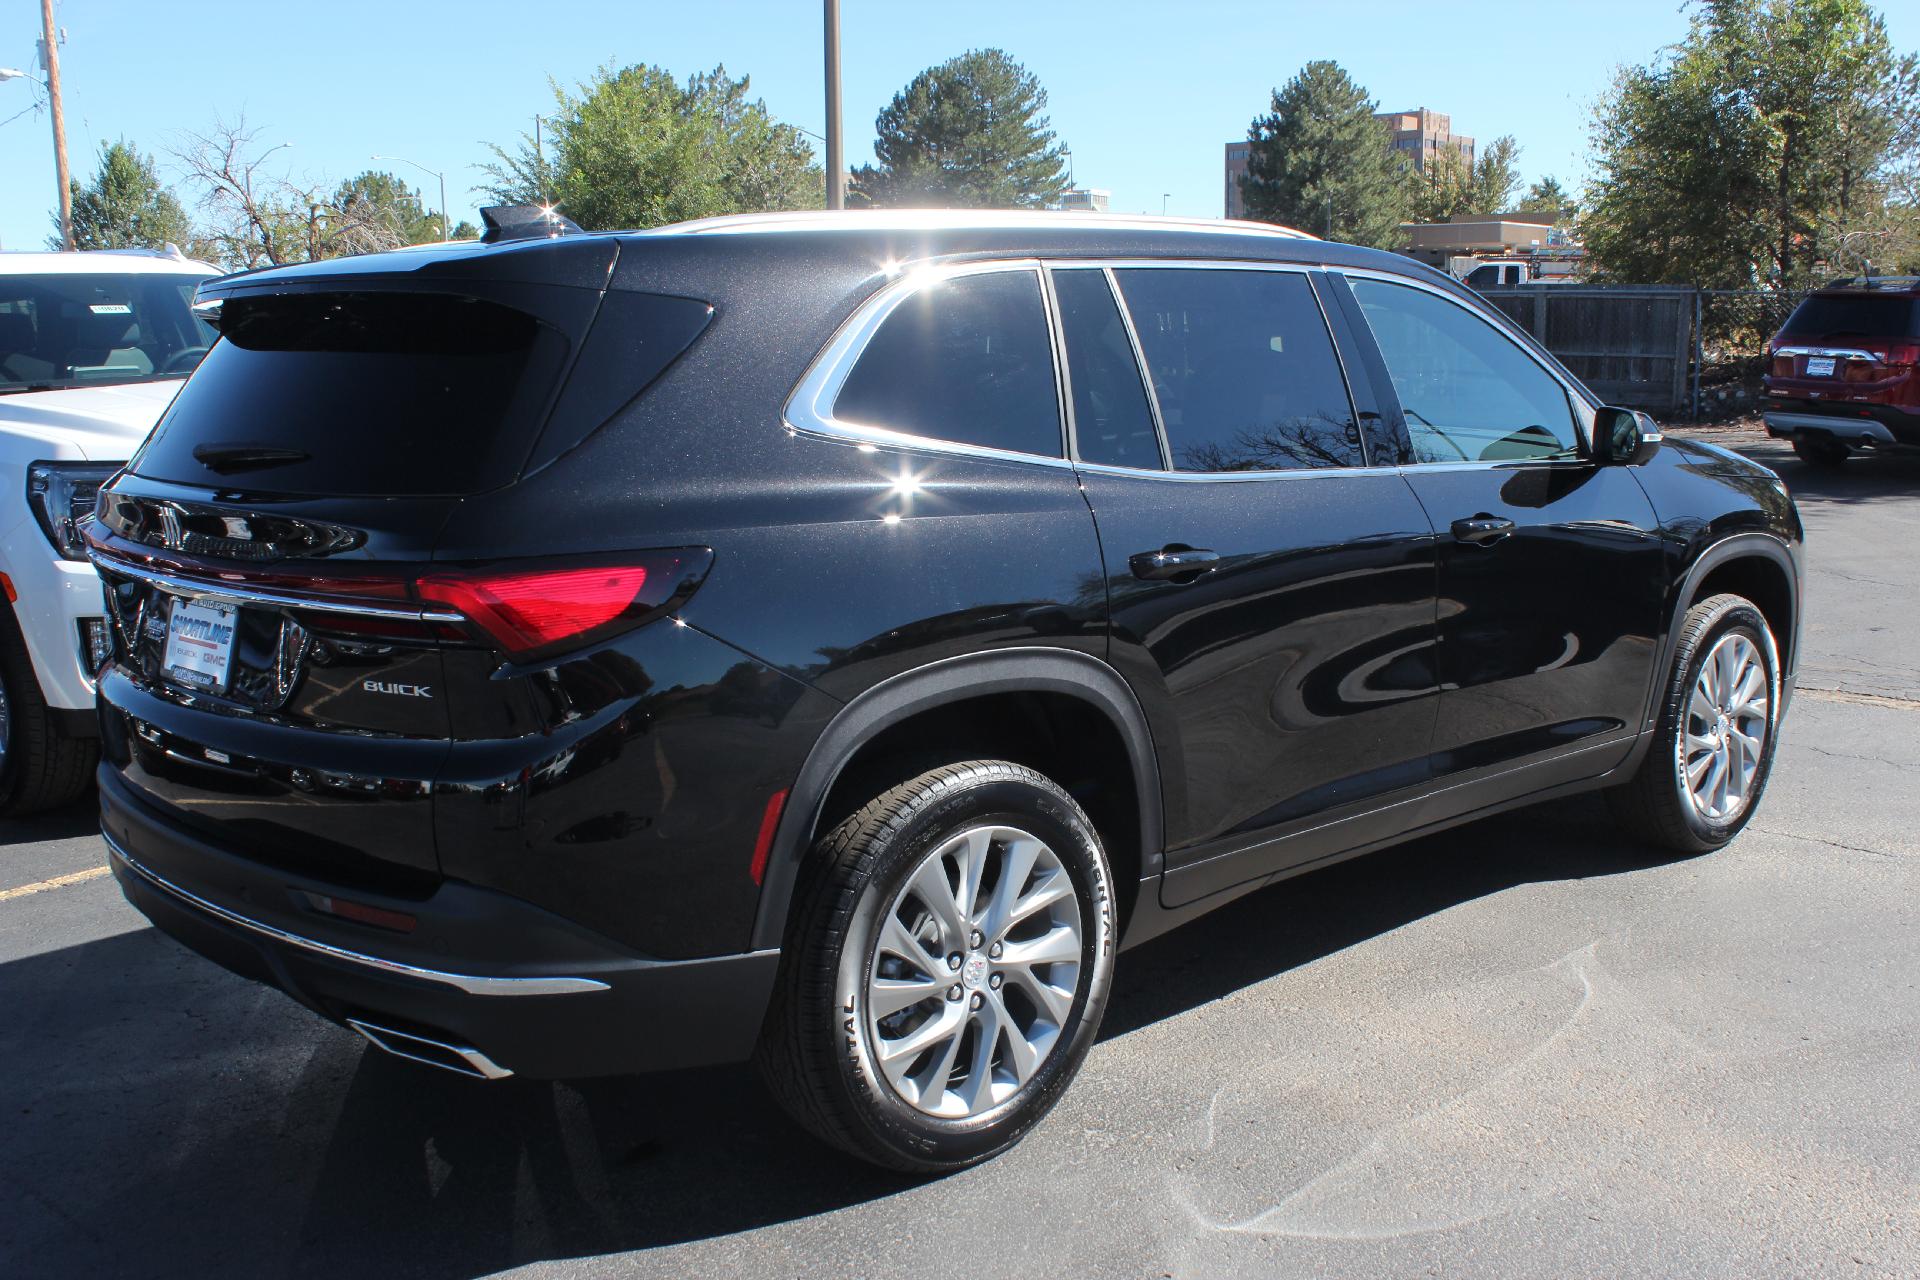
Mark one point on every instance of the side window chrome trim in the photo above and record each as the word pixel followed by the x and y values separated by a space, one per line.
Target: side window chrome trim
pixel 1582 401
pixel 810 407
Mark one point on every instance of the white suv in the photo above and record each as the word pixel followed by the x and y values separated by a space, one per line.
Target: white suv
pixel 92 348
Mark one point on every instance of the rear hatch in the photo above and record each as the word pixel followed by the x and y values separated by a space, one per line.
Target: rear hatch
pixel 1853 345
pixel 291 666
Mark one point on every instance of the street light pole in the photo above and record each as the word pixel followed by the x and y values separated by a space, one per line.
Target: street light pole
pixel 446 226
pixel 836 161
pixel 50 55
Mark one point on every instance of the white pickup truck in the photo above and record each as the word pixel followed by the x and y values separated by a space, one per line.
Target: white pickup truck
pixel 92 348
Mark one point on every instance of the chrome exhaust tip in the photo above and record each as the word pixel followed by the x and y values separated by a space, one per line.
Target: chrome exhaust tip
pixel 458 1059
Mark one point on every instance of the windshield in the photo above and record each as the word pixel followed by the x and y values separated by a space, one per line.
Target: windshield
pixel 74 330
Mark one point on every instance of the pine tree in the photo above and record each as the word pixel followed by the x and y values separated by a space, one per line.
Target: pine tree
pixel 1319 162
pixel 969 133
pixel 126 206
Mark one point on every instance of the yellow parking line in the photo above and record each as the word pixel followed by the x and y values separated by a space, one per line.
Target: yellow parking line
pixel 92 873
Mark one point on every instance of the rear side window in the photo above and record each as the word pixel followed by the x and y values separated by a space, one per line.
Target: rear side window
pixel 1244 370
pixel 377 394
pixel 1112 421
pixel 967 359
pixel 1856 315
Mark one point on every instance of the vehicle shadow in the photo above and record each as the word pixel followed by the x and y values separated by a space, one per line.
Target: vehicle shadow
pixel 1864 479
pixel 1297 921
pixel 162 1111
pixel 79 819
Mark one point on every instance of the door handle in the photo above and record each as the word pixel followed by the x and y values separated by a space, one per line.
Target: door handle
pixel 1175 562
pixel 1482 529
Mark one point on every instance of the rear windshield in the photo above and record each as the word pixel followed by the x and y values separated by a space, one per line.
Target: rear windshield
pixel 371 394
pixel 1862 315
pixel 88 330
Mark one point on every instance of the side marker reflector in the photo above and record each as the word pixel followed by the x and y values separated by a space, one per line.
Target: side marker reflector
pixel 763 843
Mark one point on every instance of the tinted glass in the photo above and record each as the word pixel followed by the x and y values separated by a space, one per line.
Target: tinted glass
pixel 1470 394
pixel 1112 421
pixel 88 330
pixel 1244 370
pixel 1861 315
pixel 967 360
pixel 363 394
pixel 1480 277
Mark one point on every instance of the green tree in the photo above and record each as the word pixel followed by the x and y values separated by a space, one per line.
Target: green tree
pixel 1320 162
pixel 636 148
pixel 1449 186
pixel 971 133
pixel 1547 198
pixel 1763 148
pixel 126 206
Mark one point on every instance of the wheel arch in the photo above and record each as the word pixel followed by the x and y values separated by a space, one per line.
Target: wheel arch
pixel 931 695
pixel 1760 567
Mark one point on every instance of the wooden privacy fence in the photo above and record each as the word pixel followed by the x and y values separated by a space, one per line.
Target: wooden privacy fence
pixel 1633 344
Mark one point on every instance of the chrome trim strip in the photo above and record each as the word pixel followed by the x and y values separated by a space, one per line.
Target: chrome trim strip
pixel 1839 353
pixel 1191 477
pixel 470 983
pixel 478 1064
pixel 196 587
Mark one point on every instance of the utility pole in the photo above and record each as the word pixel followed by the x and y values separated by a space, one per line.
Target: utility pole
pixel 539 160
pixel 836 162
pixel 50 56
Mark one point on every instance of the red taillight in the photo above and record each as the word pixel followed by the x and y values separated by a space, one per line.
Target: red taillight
pixel 1859 371
pixel 530 611
pixel 1783 366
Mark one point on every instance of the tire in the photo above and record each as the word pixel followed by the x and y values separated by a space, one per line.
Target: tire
pixel 1657 804
pixel 847 1070
pixel 1818 451
pixel 40 767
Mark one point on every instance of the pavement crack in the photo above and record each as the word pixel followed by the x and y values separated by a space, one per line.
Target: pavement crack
pixel 1836 844
pixel 1847 755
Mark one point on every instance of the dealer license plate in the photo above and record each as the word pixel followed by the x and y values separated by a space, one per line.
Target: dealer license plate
pixel 1819 366
pixel 200 644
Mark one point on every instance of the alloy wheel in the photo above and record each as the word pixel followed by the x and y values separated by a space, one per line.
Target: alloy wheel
pixel 1724 737
pixel 973 972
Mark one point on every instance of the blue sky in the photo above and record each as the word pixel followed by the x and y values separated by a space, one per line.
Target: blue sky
pixel 1144 94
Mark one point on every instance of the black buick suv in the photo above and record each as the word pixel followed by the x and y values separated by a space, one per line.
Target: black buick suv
pixel 828 639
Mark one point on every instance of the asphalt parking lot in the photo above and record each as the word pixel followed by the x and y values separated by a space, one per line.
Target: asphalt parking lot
pixel 1526 1047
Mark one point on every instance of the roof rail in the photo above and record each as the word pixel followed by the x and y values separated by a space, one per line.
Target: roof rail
pixel 525 222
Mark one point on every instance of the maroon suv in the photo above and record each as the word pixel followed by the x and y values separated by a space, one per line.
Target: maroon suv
pixel 1844 370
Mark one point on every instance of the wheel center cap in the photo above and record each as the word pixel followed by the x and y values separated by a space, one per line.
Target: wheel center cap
pixel 974 972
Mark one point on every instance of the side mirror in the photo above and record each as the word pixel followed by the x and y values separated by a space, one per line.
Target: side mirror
pixel 1624 438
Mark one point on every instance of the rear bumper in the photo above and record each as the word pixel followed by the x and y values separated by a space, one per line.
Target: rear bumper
pixel 1872 426
pixel 530 993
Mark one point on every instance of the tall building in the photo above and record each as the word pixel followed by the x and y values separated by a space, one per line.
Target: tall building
pixel 1235 206
pixel 1418 134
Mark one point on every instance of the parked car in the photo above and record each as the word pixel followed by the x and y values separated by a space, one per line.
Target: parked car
pixel 829 638
pixel 1845 370
pixel 92 346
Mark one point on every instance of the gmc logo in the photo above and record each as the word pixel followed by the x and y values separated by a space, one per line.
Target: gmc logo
pixel 400 690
